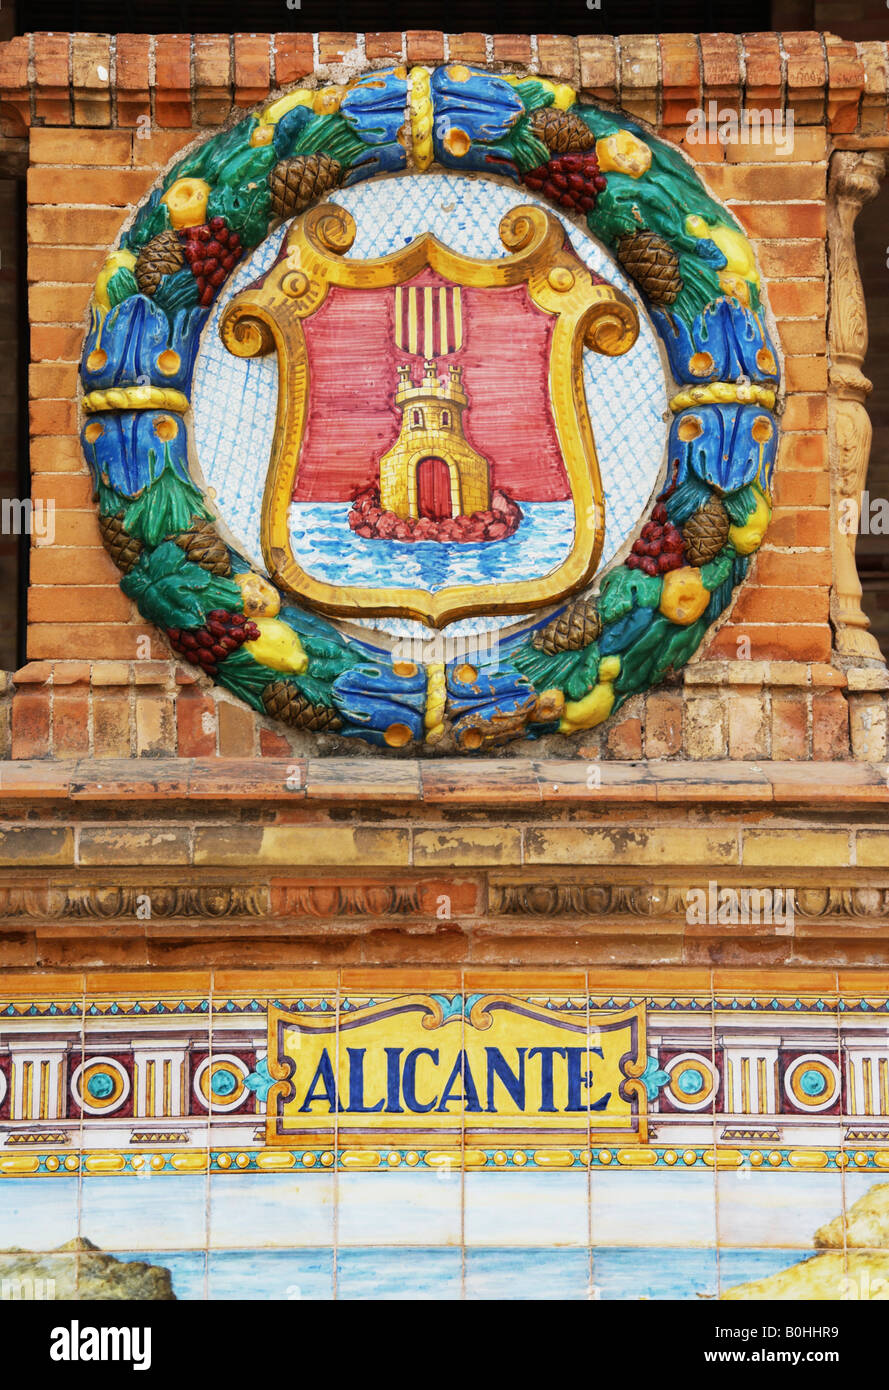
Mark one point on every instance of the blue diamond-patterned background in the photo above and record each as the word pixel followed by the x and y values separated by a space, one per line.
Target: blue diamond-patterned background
pixel 234 400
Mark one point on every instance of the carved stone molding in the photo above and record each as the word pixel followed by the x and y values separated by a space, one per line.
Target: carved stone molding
pixel 670 900
pixel 854 180
pixel 108 902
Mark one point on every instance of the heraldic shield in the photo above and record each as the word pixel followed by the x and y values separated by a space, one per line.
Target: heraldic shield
pixel 433 456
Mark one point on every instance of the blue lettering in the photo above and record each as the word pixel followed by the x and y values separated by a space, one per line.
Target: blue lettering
pixel 514 1082
pixel 470 1096
pixel 356 1083
pixel 546 1075
pixel 393 1081
pixel 323 1073
pixel 410 1079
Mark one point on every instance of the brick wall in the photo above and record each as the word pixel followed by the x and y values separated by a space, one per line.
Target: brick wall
pixel 107 138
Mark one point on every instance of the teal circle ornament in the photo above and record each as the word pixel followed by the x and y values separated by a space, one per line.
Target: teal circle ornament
pixel 436 410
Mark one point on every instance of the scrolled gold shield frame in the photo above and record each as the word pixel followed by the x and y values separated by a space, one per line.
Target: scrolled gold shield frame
pixel 268 316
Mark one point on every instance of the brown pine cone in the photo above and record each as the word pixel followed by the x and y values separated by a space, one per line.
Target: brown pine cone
pixel 203 546
pixel 284 701
pixel 123 547
pixel 706 532
pixel 295 183
pixel 162 255
pixel 561 131
pixel 575 627
pixel 652 263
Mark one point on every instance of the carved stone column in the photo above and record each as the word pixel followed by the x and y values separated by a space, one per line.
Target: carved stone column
pixel 854 179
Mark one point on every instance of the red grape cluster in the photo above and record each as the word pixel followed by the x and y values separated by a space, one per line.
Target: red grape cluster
pixel 659 547
pixel 211 251
pixel 571 180
pixel 223 633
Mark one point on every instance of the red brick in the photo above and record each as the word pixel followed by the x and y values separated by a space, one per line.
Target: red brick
pixel 625 739
pixel 74 265
pixel 746 725
pixel 172 63
pixel 111 187
pixel 52 344
pixel 212 78
pixel 845 82
pixel 52 98
pixel 792 258
pixel 90 59
pixel 598 66
pixel 830 725
pixel 798 299
pixel 803 337
pixel 194 740
pixel 783 642
pixel 87 640
pixel 86 226
pixel 85 147
pixel 53 417
pixel 111 725
pixel 779 219
pixel 78 604
pixel 383 46
pixel 795 605
pixel 55 565
pixel 680 76
pixel 332 47
pixel 801 489
pixel 804 413
pixel 802 451
pixel 160 147
pixel 64 489
pixel 508 48
pixel 773 567
pixel 237 731
pixel 663 725
pixel 274 745
pixel 710 151
pixel 425 46
pixel 252 68
pixel 556 55
pixel 762 65
pixel 769 182
pixel 14 84
pixel 805 373
pixel 56 454
pixel 721 65
pixel 788 726
pixel 31 723
pixel 70 722
pixel 792 527
pixel 293 58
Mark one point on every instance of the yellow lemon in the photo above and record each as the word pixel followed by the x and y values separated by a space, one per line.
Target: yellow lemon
pixel 186 200
pixel 261 599
pixel 595 707
pixel 748 538
pixel 277 646
pixel 623 152
pixel 733 244
pixel 118 260
pixel 683 597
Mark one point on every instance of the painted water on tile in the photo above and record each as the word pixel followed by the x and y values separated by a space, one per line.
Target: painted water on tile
pixel 329 550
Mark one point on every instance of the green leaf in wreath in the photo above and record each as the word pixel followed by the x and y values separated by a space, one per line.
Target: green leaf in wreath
pixel 624 589
pixel 166 506
pixel 171 591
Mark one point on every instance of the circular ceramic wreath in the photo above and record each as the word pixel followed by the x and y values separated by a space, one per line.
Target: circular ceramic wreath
pixel 638 196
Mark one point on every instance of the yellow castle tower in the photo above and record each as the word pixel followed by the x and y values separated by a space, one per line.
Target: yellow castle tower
pixel 430 469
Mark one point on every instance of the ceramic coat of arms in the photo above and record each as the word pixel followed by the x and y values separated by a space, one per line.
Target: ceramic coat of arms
pixel 437 409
